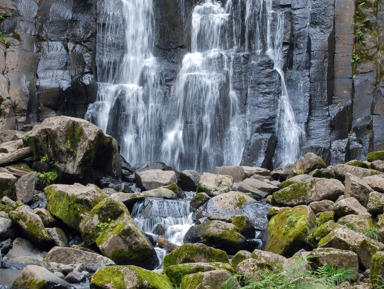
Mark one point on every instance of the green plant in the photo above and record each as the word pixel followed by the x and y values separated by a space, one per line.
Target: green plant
pixel 2 38
pixel 372 233
pixel 2 16
pixel 26 137
pixel 44 158
pixel 355 59
pixel 104 227
pixel 47 178
pixel 334 276
pixel 69 145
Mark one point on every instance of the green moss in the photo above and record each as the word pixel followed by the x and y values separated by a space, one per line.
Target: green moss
pixel 359 164
pixel 31 283
pixel 212 232
pixel 241 222
pixel 325 217
pixel 294 194
pixel 375 156
pixel 108 275
pixel 240 201
pixel 240 257
pixel 376 274
pixel 173 188
pixel 191 253
pixel 192 281
pixel 5 208
pixel 320 232
pixel 155 280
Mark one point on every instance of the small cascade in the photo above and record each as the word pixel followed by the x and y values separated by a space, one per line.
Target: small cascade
pixel 169 218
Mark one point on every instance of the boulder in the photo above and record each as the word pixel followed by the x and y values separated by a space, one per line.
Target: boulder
pixel 376 272
pixel 119 277
pixel 308 163
pixel 375 156
pixel 58 236
pixel 237 173
pixel 25 187
pixel 176 272
pixel 259 189
pixel 162 193
pixel 323 173
pixel 357 163
pixel 31 226
pixel 252 171
pixel 336 258
pixel 308 191
pixel 37 277
pixel 244 226
pixel 71 203
pixel 269 260
pixel 294 180
pixel 346 239
pixel 227 205
pixel 218 234
pixel 322 206
pixel 211 279
pixel 195 253
pixel 349 206
pixel 6 228
pixel 375 203
pixel 74 148
pixel 239 257
pixel 378 165
pixel 357 188
pixel 198 200
pixel 341 171
pixel 23 253
pixel 376 182
pixel 45 216
pixel 153 179
pixel 214 185
pixel 325 217
pixel 358 223
pixel 289 229
pixel 110 226
pixel 7 185
pixel 188 180
pixel 320 232
pixel 59 258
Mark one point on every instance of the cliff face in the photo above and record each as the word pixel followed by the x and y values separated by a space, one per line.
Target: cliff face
pixel 333 64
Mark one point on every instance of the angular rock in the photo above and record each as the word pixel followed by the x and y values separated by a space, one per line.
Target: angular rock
pixel 58 236
pixel 188 180
pixel 75 277
pixel 31 226
pixel 336 258
pixel 378 165
pixel 289 229
pixel 341 171
pixel 346 239
pixel 251 171
pixel 176 272
pixel 46 217
pixel 320 232
pixel 295 179
pixel 358 223
pixel 110 226
pixel 217 234
pixel 75 148
pixel 7 185
pixel 375 182
pixel 23 253
pixel 308 163
pixel 195 253
pixel 237 173
pixel 6 228
pixel 376 272
pixel 239 257
pixel 322 206
pixel 71 258
pixel 71 203
pixel 375 203
pixel 214 185
pixel 308 191
pixel 244 225
pixel 269 260
pixel 40 278
pixel 211 279
pixel 128 277
pixel 357 188
pixel 349 206
pixel 25 187
pixel 198 200
pixel 258 189
pixel 153 179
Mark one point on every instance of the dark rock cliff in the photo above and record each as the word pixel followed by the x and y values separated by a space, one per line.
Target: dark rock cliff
pixel 333 53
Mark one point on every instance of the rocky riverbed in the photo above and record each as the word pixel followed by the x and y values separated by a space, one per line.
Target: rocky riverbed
pixel 67 198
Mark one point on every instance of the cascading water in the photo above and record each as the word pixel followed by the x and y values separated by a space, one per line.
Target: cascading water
pixel 169 218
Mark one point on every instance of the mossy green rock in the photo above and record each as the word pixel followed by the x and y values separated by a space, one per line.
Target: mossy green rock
pixel 360 164
pixel 71 203
pixel 308 163
pixel 31 227
pixel 325 217
pixel 177 272
pixel 5 208
pixel 110 226
pixel 195 253
pixel 307 191
pixel 198 200
pixel 320 232
pixel 239 257
pixel 376 274
pixel 289 229
pixel 375 156
pixel 358 223
pixel 212 279
pixel 132 277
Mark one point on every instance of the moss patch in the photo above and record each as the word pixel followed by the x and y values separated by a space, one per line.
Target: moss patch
pixel 375 156
pixel 325 217
pixel 376 274
pixel 320 232
pixel 294 194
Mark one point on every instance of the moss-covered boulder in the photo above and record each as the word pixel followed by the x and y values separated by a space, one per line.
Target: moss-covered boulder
pixel 74 148
pixel 375 156
pixel 359 223
pixel 375 203
pixel 31 227
pixel 289 229
pixel 212 279
pixel 239 257
pixel 346 239
pixel 214 185
pixel 177 272
pixel 46 217
pixel 195 253
pixel 111 228
pixel 376 273
pixel 198 200
pixel 71 203
pixel 320 232
pixel 122 277
pixel 218 234
pixel 308 163
pixel 8 185
pixel 36 277
pixel 325 217
pixel 308 191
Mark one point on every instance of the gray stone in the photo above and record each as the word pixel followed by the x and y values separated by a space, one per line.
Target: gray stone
pixel 188 180
pixel 153 179
pixel 322 206
pixel 357 188
pixel 376 182
pixel 23 253
pixel 58 236
pixel 46 217
pixel 211 279
pixel 214 185
pixel 237 173
pixel 6 229
pixel 163 193
pixel 258 189
pixel 25 187
pixel 375 203
pixel 349 206
pixel 7 185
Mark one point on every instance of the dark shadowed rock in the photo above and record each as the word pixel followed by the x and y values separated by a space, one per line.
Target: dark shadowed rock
pixel 188 180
